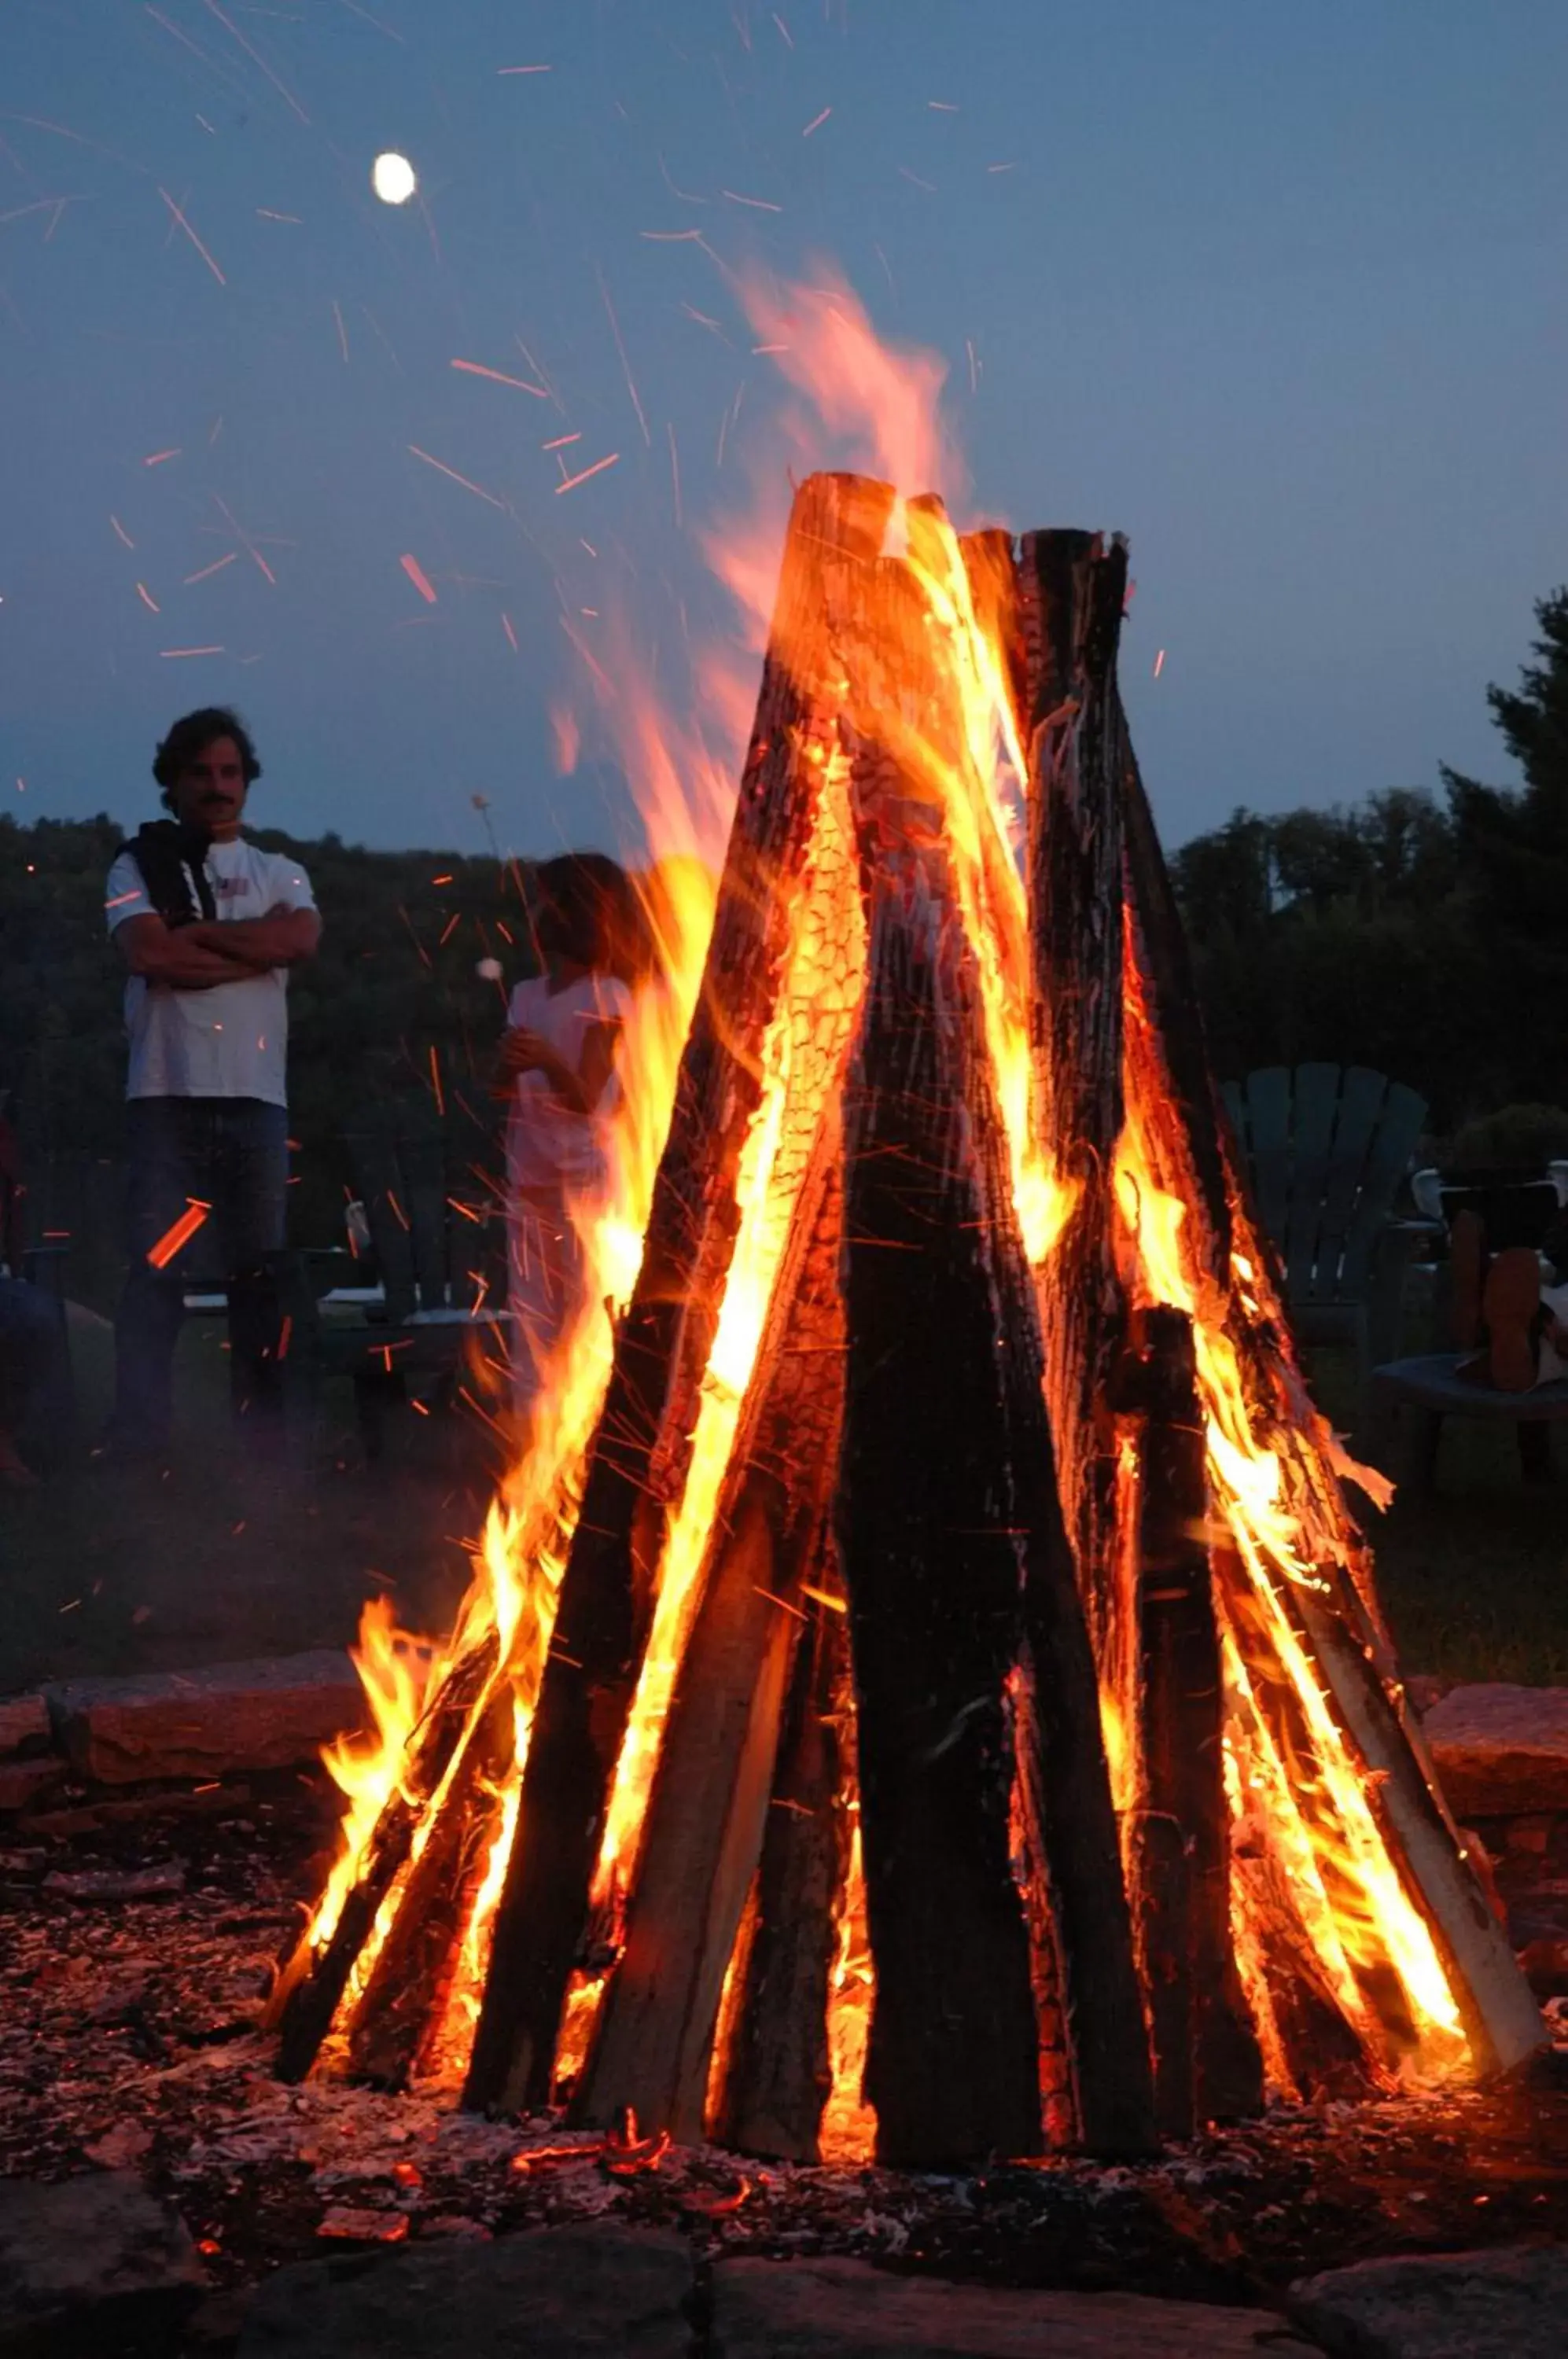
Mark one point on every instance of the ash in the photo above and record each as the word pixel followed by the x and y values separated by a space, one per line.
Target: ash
pixel 136 1956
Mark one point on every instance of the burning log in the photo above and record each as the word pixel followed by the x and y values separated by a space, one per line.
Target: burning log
pixel 932 1567
pixel 399 2009
pixel 312 1987
pixel 1073 594
pixel 1328 1615
pixel 663 1346
pixel 705 1828
pixel 1207 2065
pixel 777 2073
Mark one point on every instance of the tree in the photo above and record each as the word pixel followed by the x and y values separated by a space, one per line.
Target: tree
pixel 1513 847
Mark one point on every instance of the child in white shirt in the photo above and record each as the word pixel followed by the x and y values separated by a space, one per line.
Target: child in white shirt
pixel 556 1066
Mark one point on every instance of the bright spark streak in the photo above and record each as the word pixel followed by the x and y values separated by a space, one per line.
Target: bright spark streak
pixel 149 601
pixel 477 368
pixel 816 123
pixel 180 1234
pixel 759 204
pixel 626 365
pixel 560 441
pixel 928 185
pixel 523 69
pixel 417 575
pixel 171 653
pixel 1159 663
pixel 597 469
pixel 190 233
pixel 443 469
pixel 119 528
pixel 265 212
pixel 216 566
pixel 342 331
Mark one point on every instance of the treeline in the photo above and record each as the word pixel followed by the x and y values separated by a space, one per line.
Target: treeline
pixel 392 1002
pixel 1425 937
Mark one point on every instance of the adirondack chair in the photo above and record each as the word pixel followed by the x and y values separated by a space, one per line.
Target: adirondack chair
pixel 1324 1148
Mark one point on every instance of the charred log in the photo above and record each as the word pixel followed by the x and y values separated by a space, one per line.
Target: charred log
pixel 312 1987
pixel 778 2075
pixel 663 1346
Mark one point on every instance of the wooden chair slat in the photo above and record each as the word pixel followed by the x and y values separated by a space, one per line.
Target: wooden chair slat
pixel 1315 1112
pixel 1269 1144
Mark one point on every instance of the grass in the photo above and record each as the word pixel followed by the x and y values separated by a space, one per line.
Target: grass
pixel 221 1557
pixel 1474 1578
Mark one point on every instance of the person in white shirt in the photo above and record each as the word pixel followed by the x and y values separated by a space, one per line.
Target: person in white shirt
pixel 556 1070
pixel 209 926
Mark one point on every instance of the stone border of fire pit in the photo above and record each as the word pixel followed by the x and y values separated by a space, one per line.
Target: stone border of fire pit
pixel 121 1738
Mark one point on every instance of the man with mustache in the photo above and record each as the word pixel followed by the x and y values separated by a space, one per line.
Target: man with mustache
pixel 209 926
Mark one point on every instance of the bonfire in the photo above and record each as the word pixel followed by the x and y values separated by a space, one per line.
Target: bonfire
pixel 923 1692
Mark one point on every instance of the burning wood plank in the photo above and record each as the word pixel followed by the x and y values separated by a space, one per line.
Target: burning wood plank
pixel 666 1338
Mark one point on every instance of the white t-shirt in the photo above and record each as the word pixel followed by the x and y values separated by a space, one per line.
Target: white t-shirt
pixel 231 1041
pixel 548 1144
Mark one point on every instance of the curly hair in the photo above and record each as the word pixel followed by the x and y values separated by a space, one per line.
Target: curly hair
pixel 192 734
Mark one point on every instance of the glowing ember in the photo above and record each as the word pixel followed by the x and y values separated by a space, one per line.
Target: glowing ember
pixel 392 177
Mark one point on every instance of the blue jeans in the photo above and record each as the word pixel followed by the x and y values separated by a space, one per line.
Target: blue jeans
pixel 229 1155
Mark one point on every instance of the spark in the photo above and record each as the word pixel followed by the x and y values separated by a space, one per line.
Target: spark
pixel 974 364
pixel 244 540
pixel 929 185
pixel 511 634
pixel 355 10
pixel 443 469
pixel 675 474
pixel 784 33
pixel 626 365
pixel 216 566
pixel 265 212
pixel 477 368
pixel 597 469
pixel 119 528
pixel 673 237
pixel 120 899
pixel 435 1062
pixel 759 204
pixel 757 350
pixel 816 123
pixel 1001 168
pixel 560 441
pixel 942 106
pixel 190 233
pixel 524 70
pixel 172 652
pixel 145 594
pixel 256 59
pixel 417 575
pixel 1159 663
pixel 704 322
pixel 342 331
pixel 180 1233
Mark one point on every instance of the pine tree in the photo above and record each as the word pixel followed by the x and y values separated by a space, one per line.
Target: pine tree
pixel 1513 847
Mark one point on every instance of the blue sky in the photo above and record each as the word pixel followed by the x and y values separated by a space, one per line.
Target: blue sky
pixel 1279 291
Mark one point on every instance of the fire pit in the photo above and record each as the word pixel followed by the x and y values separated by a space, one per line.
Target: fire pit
pixel 924 1693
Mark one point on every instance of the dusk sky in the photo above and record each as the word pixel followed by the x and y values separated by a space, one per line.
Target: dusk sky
pixel 1279 291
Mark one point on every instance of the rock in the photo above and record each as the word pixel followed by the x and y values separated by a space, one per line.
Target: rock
pixel 23 1720
pixel 91 2264
pixel 95 1885
pixel 808 2310
pixel 553 2293
pixel 1506 2304
pixel 20 1780
pixel 262 1716
pixel 1502 1750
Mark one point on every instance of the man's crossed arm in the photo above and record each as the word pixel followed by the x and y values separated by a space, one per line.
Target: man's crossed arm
pixel 194 958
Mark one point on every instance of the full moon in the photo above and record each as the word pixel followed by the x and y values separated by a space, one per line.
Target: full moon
pixel 392 177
